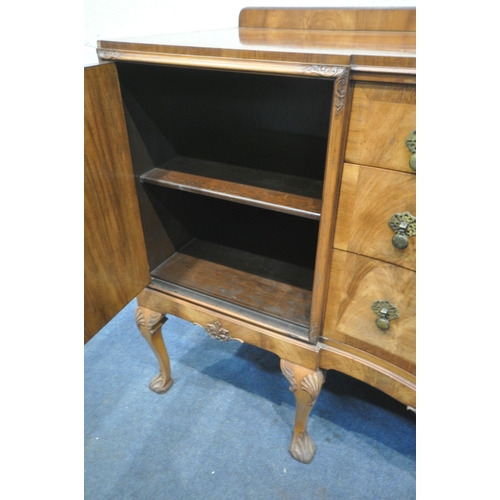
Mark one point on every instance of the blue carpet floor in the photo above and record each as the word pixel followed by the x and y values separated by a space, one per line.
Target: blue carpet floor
pixel 223 429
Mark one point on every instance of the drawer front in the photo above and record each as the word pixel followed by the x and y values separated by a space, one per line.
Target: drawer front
pixel 371 206
pixel 382 117
pixel 356 283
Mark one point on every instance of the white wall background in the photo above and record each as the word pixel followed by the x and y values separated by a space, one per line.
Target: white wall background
pixel 117 18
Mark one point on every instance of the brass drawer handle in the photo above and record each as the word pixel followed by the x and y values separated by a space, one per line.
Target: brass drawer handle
pixel 411 144
pixel 386 313
pixel 405 226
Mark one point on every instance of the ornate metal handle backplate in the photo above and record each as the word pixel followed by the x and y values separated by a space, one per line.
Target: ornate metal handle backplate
pixel 386 312
pixel 411 144
pixel 405 226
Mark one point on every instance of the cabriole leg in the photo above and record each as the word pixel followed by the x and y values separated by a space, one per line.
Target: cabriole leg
pixel 305 385
pixel 150 323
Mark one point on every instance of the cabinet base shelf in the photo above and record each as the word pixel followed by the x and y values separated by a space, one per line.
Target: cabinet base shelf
pixel 262 286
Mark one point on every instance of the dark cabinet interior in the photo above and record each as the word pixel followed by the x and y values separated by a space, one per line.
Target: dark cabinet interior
pixel 229 170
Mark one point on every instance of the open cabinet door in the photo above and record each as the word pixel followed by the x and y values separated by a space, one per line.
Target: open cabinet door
pixel 116 266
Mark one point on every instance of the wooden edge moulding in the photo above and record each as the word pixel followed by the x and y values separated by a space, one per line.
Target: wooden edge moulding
pixel 226 63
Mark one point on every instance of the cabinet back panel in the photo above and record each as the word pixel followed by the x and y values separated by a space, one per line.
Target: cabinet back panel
pixel 147 149
pixel 265 122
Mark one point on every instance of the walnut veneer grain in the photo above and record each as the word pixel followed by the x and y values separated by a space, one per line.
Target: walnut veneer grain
pixel 388 19
pixel 382 117
pixel 115 255
pixel 369 197
pixel 356 283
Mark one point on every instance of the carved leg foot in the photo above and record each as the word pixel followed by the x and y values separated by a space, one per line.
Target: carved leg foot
pixel 305 385
pixel 150 323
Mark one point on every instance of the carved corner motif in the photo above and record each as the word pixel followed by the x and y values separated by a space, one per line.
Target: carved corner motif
pixel 216 331
pixel 109 54
pixel 339 72
pixel 140 320
pixel 151 322
pixel 312 385
pixel 324 70
pixel 289 375
pixel 340 91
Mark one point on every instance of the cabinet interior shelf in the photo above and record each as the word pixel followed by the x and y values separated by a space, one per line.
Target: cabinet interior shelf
pixel 260 188
pixel 255 282
pixel 231 168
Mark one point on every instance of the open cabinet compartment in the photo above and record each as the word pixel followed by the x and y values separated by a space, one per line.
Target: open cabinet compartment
pixel 231 169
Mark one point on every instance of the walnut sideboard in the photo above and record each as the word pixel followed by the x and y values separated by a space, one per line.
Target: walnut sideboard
pixel 260 182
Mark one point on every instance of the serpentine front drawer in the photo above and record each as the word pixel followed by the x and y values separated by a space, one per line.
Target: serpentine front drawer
pixel 377 214
pixel 371 306
pixel 383 116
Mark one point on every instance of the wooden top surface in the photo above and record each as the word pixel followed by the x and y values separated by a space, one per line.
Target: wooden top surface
pixel 391 43
pixel 277 44
pixel 357 37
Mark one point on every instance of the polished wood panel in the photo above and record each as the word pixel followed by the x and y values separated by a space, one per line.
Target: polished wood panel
pixel 361 43
pixel 330 19
pixel 384 376
pixel 259 188
pixel 369 197
pixel 382 117
pixel 356 283
pixel 115 257
pixel 373 73
pixel 258 283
